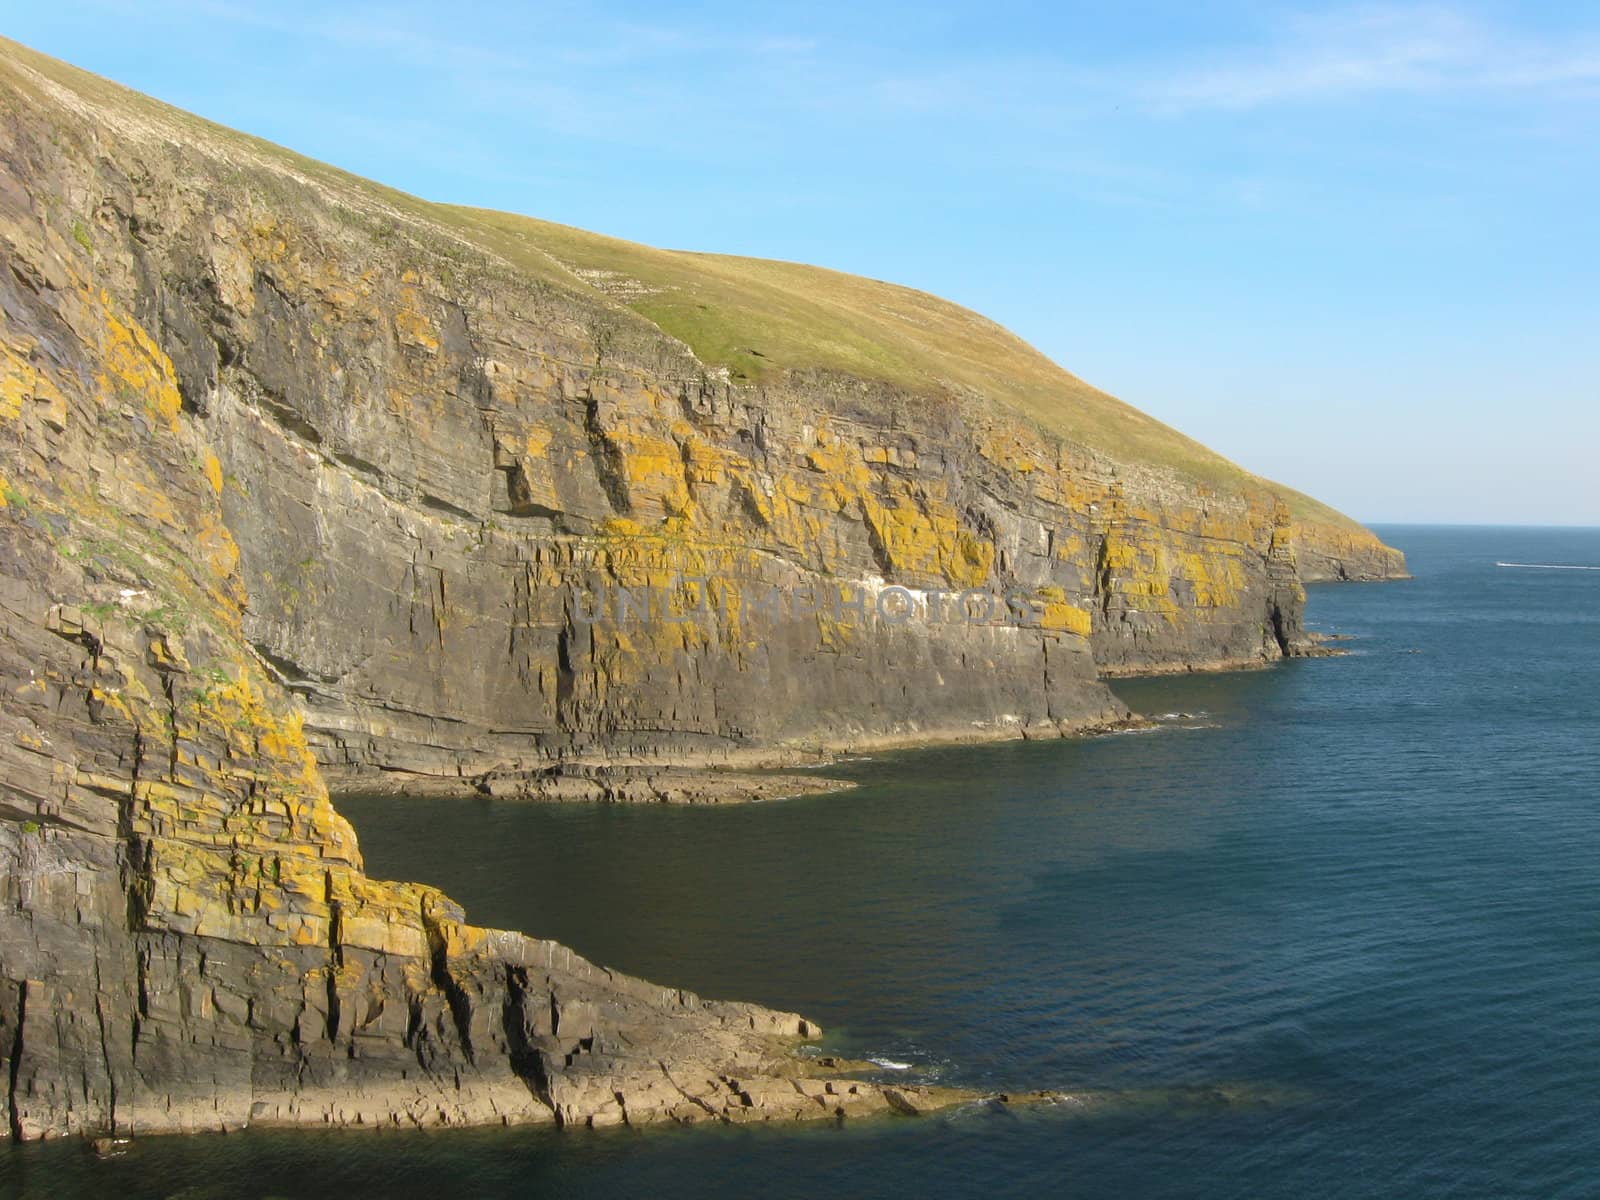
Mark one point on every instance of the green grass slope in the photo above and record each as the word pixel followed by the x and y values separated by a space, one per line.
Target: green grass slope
pixel 756 318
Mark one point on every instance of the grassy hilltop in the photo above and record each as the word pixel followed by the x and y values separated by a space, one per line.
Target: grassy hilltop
pixel 755 317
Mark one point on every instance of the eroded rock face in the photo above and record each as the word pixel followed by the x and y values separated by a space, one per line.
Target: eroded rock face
pixel 294 481
pixel 1325 553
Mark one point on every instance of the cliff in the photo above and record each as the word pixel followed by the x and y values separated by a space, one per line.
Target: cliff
pixel 301 478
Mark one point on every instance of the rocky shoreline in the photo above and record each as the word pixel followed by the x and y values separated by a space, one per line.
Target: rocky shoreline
pixel 601 783
pixel 299 478
pixel 748 777
pixel 761 775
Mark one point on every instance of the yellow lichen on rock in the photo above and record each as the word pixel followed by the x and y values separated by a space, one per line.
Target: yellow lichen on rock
pixel 414 329
pixel 652 469
pixel 1060 614
pixel 1014 448
pixel 1135 563
pixel 1215 578
pixel 212 469
pixel 133 364
pixel 1326 551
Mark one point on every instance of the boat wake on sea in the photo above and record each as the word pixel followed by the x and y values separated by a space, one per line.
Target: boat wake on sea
pixel 1547 566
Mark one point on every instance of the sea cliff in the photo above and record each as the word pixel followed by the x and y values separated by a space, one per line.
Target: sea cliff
pixel 302 479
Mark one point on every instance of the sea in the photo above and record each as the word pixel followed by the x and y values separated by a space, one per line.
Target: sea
pixel 1327 929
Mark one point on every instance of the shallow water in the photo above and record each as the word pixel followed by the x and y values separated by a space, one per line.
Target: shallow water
pixel 1332 929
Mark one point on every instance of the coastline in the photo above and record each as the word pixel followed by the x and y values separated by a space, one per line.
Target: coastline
pixel 365 451
pixel 760 774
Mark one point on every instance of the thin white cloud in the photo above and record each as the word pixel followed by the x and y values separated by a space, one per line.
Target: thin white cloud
pixel 1327 57
pixel 1379 49
pixel 376 30
pixel 375 35
pixel 413 35
pixel 554 75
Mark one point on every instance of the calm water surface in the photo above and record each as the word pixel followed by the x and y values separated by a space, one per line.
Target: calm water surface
pixel 1334 929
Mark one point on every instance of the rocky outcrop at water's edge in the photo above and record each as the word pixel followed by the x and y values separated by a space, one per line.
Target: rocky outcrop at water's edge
pixel 302 479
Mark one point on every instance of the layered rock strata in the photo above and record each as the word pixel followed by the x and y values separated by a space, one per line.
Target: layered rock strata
pixel 295 478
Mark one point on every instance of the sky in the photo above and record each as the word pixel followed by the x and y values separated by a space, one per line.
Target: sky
pixel 1354 248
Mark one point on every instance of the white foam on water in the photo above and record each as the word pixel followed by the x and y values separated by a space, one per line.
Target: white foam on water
pixel 889 1064
pixel 1547 566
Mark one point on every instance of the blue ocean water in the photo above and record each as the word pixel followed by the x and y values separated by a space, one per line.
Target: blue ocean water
pixel 1332 929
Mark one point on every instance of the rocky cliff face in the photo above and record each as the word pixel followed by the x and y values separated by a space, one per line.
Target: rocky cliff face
pixel 1326 552
pixel 298 479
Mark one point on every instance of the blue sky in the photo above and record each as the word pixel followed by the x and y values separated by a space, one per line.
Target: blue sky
pixel 1354 248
